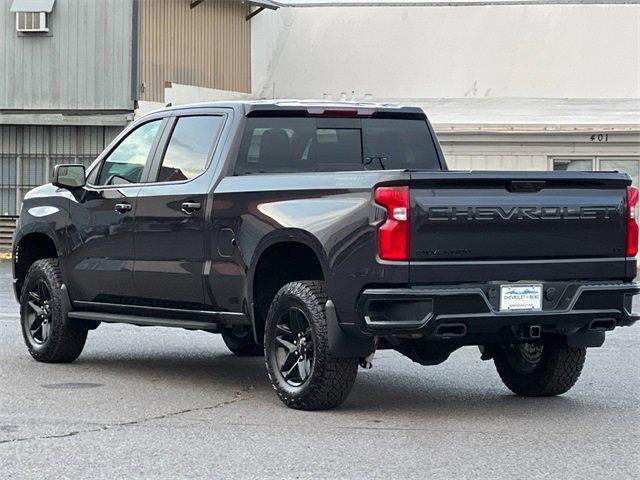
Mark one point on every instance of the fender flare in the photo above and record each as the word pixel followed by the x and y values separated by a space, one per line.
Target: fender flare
pixel 292 235
pixel 20 234
pixel 288 235
pixel 30 228
pixel 341 344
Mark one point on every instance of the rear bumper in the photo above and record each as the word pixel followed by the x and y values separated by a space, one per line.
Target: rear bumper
pixel 471 312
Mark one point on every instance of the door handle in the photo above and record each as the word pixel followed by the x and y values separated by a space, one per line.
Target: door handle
pixel 190 207
pixel 123 207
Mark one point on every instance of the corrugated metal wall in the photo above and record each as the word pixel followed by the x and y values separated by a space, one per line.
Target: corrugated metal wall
pixel 84 63
pixel 207 46
pixel 28 154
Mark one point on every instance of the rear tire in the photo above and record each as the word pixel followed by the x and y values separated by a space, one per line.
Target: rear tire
pixel 43 316
pixel 303 373
pixel 241 342
pixel 552 368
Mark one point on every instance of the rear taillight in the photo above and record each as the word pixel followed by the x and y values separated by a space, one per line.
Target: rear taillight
pixel 393 234
pixel 632 222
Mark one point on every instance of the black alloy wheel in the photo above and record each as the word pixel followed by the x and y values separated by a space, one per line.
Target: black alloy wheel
pixel 44 304
pixel 524 357
pixel 39 313
pixel 302 369
pixel 294 346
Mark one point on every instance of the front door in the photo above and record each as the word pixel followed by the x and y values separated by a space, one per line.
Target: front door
pixel 100 235
pixel 171 215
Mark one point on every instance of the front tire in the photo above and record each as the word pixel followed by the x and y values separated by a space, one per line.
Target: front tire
pixel 240 341
pixel 539 370
pixel 43 315
pixel 302 372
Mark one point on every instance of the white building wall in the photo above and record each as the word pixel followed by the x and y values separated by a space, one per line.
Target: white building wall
pixel 507 87
pixel 536 150
pixel 538 51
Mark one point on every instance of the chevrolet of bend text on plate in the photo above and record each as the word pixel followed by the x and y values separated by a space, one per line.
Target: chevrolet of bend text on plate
pixel 317 233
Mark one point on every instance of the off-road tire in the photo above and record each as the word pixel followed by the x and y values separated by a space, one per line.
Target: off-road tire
pixel 64 343
pixel 555 373
pixel 331 379
pixel 242 345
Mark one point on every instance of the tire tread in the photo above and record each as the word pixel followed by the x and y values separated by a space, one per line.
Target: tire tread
pixel 559 370
pixel 333 378
pixel 65 343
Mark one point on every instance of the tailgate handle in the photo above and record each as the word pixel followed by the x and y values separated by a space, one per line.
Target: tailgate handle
pixel 526 185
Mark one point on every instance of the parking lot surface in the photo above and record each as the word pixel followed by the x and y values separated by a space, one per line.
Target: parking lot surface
pixel 165 403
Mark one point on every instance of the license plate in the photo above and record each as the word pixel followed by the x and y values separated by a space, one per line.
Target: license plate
pixel 520 297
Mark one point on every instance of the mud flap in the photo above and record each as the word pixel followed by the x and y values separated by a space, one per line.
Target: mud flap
pixel 342 345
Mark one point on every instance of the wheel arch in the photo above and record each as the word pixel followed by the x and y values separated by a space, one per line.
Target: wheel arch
pixel 305 258
pixel 29 247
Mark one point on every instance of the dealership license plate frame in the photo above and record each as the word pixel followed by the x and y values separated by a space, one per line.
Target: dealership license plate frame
pixel 532 301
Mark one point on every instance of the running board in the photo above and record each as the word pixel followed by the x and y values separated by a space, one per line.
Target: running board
pixel 144 321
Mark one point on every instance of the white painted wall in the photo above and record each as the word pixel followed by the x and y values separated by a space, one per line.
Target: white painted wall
pixel 178 94
pixel 414 53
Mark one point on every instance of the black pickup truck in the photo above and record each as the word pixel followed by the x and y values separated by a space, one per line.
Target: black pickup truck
pixel 317 233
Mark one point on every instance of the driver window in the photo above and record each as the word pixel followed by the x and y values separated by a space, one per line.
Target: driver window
pixel 126 162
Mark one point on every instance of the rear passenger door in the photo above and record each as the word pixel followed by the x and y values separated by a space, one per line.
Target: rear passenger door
pixel 170 216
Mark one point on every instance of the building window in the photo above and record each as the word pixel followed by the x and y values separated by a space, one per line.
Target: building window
pixel 630 165
pixel 625 164
pixel 573 164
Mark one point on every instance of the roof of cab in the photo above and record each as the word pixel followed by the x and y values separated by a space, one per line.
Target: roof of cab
pixel 310 107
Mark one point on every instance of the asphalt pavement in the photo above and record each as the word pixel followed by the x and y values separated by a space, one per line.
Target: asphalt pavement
pixel 167 403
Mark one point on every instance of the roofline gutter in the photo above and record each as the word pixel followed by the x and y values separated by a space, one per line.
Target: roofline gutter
pixel 445 3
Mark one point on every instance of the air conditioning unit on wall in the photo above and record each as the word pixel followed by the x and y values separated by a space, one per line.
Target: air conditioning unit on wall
pixel 32 16
pixel 31 22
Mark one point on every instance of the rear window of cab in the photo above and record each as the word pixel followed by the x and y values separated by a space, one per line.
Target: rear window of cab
pixel 307 144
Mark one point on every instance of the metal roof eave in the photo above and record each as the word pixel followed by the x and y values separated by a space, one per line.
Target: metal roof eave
pixel 258 3
pixel 435 3
pixel 264 3
pixel 32 6
pixel 261 4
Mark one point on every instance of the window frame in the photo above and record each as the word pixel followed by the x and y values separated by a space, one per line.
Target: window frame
pixel 161 150
pixel 99 164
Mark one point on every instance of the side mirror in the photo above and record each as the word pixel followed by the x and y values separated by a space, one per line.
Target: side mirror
pixel 70 177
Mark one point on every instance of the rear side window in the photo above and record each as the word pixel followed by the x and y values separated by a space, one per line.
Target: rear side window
pixel 304 144
pixel 189 147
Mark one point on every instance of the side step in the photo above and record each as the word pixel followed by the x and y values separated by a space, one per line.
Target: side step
pixel 145 321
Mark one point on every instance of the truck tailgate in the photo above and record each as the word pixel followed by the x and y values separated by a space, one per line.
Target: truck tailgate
pixel 517 216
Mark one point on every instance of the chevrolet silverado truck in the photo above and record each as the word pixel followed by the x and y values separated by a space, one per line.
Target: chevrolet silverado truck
pixel 315 234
